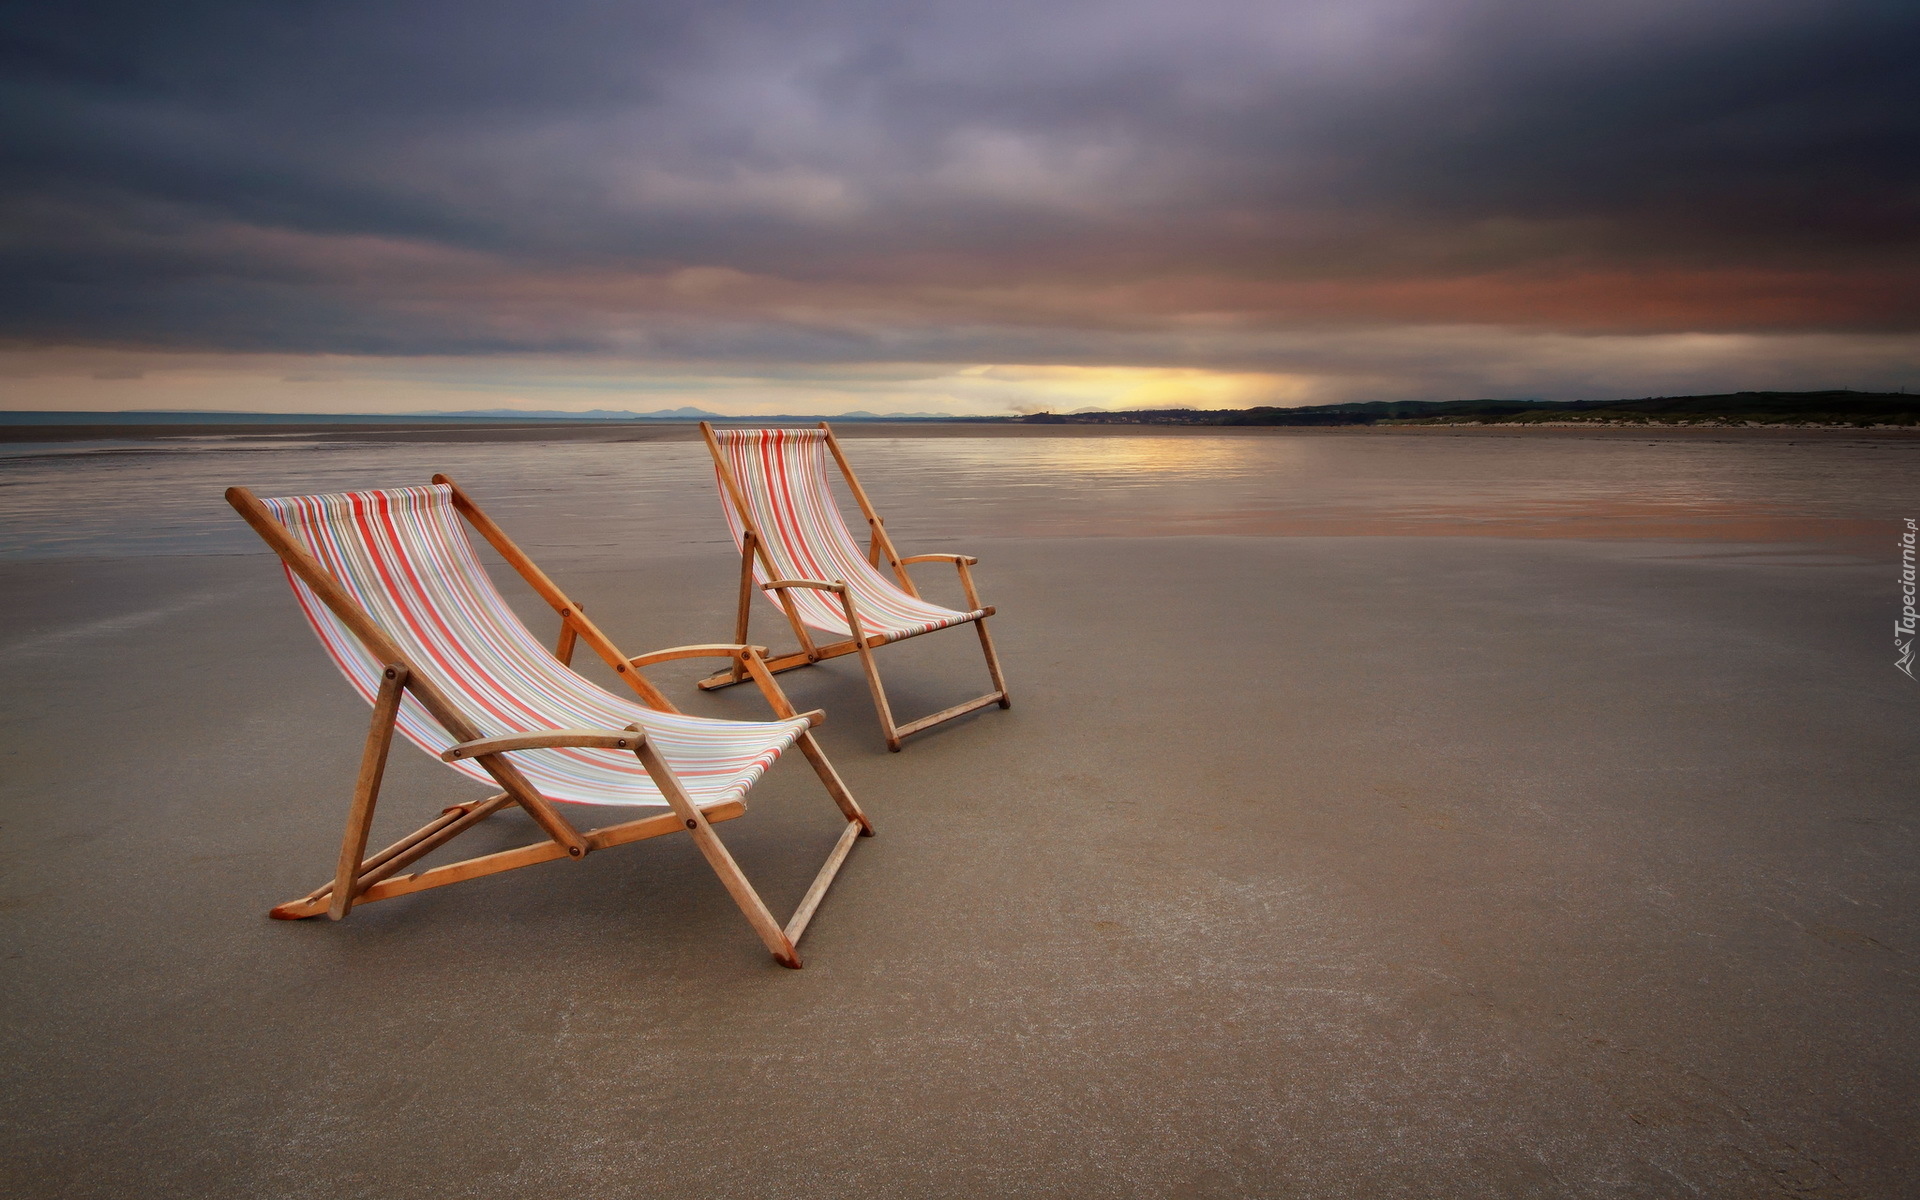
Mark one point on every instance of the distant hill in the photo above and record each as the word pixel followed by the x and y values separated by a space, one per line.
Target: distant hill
pixel 1863 409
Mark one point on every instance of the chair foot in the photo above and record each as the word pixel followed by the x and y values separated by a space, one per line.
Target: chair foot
pixel 1006 701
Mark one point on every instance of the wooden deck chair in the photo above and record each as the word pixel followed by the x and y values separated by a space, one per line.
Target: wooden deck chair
pixel 797 551
pixel 392 585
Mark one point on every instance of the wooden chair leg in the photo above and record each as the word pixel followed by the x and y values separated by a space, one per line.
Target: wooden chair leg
pixel 857 827
pixel 803 914
pixel 880 706
pixel 715 852
pixel 993 662
pixel 900 733
pixel 744 617
pixel 800 634
pixel 836 788
pixel 366 789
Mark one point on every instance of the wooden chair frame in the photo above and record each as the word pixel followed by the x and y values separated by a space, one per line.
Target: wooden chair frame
pixel 752 550
pixel 361 879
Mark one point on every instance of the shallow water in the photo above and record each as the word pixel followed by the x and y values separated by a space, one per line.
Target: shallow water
pixel 163 496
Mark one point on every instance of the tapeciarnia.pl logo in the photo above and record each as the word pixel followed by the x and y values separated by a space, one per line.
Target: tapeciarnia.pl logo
pixel 1903 626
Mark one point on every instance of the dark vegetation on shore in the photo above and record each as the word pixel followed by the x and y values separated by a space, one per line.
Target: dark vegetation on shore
pixel 1864 409
pixel 1836 409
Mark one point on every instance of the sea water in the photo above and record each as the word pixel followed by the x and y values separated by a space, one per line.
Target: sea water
pixel 164 496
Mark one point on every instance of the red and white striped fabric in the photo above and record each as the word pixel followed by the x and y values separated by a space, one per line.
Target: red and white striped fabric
pixel 783 473
pixel 404 558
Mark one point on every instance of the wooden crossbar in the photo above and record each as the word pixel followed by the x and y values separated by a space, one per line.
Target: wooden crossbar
pixel 797 923
pixel 781 663
pixel 948 714
pixel 383 887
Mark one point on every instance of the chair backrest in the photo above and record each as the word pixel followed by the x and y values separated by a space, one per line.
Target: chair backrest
pixel 782 475
pixel 404 558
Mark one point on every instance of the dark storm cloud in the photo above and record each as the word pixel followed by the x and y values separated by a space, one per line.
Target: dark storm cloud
pixel 854 181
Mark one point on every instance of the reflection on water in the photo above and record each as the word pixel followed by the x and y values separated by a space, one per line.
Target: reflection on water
pixel 1119 461
pixel 164 496
pixel 1732 489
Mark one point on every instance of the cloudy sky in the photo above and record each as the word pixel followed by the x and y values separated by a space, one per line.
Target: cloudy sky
pixel 975 206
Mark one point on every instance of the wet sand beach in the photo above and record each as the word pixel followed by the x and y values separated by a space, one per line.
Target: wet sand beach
pixel 1377 816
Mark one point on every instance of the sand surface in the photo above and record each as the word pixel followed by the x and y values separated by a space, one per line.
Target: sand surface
pixel 1303 866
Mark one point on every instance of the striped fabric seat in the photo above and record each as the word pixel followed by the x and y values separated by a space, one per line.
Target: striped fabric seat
pixel 783 475
pixel 403 557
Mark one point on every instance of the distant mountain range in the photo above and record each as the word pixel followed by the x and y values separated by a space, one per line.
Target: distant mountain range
pixel 676 414
pixel 189 417
pixel 592 414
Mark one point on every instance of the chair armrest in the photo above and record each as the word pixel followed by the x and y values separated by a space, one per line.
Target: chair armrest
pixel 604 739
pixel 752 658
pixel 955 559
pixel 710 650
pixel 817 584
pixel 960 563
